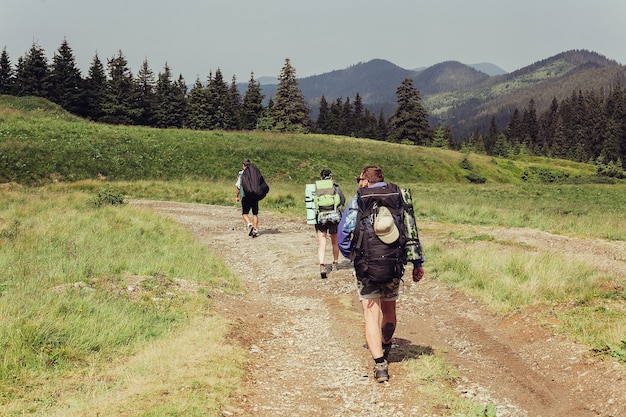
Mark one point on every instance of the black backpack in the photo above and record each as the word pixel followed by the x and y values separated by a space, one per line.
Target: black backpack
pixel 373 259
pixel 253 183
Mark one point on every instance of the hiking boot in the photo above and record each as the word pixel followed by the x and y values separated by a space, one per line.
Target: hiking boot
pixel 335 267
pixel 323 271
pixel 251 229
pixel 254 233
pixel 386 350
pixel 381 371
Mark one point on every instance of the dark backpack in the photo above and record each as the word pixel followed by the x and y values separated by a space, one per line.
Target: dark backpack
pixel 253 183
pixel 375 260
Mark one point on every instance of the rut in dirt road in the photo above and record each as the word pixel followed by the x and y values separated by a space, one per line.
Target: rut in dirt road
pixel 306 343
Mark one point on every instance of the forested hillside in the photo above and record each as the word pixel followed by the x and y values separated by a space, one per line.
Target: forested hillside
pixel 569 106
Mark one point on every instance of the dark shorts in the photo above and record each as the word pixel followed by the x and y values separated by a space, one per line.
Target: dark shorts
pixel 330 228
pixel 386 292
pixel 248 204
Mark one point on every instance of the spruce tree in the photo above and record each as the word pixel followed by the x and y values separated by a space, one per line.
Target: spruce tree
pixel 95 89
pixel 409 122
pixel 322 124
pixel 120 104
pixel 359 121
pixel 489 141
pixel 440 139
pixel 348 118
pixel 382 128
pixel 237 105
pixel 7 74
pixel 221 114
pixel 33 74
pixel 290 112
pixel 179 105
pixel 169 98
pixel 337 122
pixel 252 104
pixel 147 98
pixel 198 107
pixel 529 127
pixel 66 81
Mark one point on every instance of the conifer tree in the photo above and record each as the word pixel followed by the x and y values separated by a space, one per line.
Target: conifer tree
pixel 440 139
pixel 198 107
pixel 616 111
pixel 120 99
pixel 33 74
pixel 95 89
pixel 337 121
pixel 290 112
pixel 7 74
pixel 382 129
pixel 169 98
pixel 547 127
pixel 513 129
pixel 147 99
pixel 409 122
pixel 237 105
pixel 322 124
pixel 529 126
pixel 348 118
pixel 67 88
pixel 489 141
pixel 252 104
pixel 369 125
pixel 179 105
pixel 221 115
pixel 359 121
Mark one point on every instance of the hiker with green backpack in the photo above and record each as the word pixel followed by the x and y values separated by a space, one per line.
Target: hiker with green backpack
pixel 327 201
pixel 378 233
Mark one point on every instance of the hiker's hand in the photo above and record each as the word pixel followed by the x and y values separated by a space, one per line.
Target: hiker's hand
pixel 418 273
pixel 237 198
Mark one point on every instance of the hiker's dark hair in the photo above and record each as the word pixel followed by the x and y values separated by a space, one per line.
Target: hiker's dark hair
pixel 246 162
pixel 373 174
pixel 326 174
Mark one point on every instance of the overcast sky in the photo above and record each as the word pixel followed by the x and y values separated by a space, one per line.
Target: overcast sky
pixel 195 37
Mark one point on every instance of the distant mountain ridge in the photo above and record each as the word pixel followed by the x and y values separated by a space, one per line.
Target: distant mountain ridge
pixel 462 96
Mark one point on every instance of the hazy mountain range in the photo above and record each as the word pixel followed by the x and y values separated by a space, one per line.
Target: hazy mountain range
pixel 465 97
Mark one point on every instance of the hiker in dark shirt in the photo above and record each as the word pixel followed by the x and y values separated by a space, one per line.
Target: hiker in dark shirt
pixel 247 204
pixel 377 298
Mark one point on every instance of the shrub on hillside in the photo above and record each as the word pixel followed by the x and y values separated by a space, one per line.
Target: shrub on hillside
pixel 108 196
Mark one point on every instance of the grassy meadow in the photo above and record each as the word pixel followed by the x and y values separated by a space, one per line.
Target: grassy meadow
pixel 87 292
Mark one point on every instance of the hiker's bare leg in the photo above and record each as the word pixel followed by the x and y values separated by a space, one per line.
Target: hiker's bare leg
pixel 321 246
pixel 246 218
pixel 335 246
pixel 373 333
pixel 388 324
pixel 255 221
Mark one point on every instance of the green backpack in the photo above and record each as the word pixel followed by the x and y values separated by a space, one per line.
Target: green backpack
pixel 327 202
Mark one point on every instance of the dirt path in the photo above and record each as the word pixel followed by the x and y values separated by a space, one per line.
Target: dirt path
pixel 306 340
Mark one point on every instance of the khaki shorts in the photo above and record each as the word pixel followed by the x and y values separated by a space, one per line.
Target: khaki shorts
pixel 389 291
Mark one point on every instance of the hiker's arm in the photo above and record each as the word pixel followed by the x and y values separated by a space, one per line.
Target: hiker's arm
pixel 346 227
pixel 342 198
pixel 238 186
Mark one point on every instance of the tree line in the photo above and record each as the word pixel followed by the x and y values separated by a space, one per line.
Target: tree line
pixel 112 94
pixel 586 127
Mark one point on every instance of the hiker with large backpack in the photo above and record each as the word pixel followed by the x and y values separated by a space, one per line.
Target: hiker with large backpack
pixel 251 188
pixel 373 233
pixel 328 201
